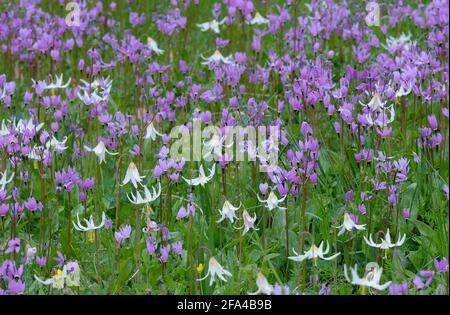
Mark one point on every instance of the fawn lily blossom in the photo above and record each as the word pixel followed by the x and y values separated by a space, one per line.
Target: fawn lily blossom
pixel 58 84
pixel 90 224
pixel 202 179
pixel 153 46
pixel 272 201
pixel 4 180
pixel 258 19
pixel 57 281
pixel 228 211
pixel 263 285
pixel 313 253
pixel 132 175
pixel 349 225
pixel 100 150
pixel 213 26
pixel 148 196
pixel 370 279
pixel 216 57
pixel 215 269
pixel 56 145
pixel 249 222
pixel 385 243
pixel 151 132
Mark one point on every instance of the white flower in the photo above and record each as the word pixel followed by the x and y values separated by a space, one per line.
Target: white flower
pixel 349 225
pixel 58 84
pixel 57 281
pixel 132 175
pixel 375 103
pixel 214 146
pixel 249 222
pixel 404 90
pixel 371 277
pixel 95 92
pixel 90 224
pixel 148 196
pixel 404 41
pixel 20 127
pixel 56 145
pixel 216 57
pixel 202 179
pixel 213 26
pixel 31 251
pixel 100 150
pixel 314 252
pixel 151 132
pixel 258 19
pixel 4 180
pixel 215 269
pixel 385 243
pixel 272 201
pixel 153 46
pixel 263 285
pixel 228 211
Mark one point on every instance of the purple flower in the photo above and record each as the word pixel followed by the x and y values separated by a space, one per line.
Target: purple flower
pixel 441 266
pixel 42 261
pixel 177 247
pixel 16 286
pixel 122 234
pixel 151 245
pixel 60 259
pixel 398 289
pixel 324 290
pixel 164 253
pixel 406 213
pixel 263 188
pixel 13 246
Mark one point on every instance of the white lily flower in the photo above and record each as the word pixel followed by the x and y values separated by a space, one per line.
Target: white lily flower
pixel 132 175
pixel 90 224
pixel 56 145
pixel 263 285
pixel 215 269
pixel 57 281
pixel 58 84
pixel 404 90
pixel 213 26
pixel 258 19
pixel 402 41
pixel 148 196
pixel 96 91
pixel 375 103
pixel 386 243
pixel 4 131
pixel 30 251
pixel 272 201
pixel 151 132
pixel 216 57
pixel 202 179
pixel 249 222
pixel 370 279
pixel 349 225
pixel 100 150
pixel 4 179
pixel 153 46
pixel 228 211
pixel 24 124
pixel 313 253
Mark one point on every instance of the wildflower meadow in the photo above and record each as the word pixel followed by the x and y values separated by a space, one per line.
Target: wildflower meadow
pixel 227 147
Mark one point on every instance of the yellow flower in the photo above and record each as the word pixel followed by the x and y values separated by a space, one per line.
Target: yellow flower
pixel 200 268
